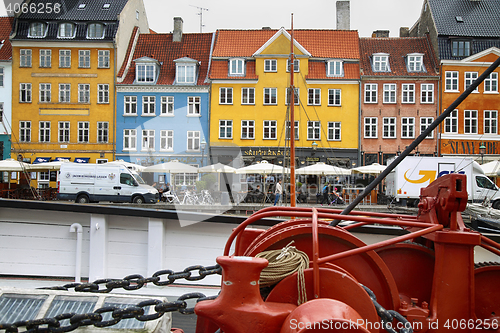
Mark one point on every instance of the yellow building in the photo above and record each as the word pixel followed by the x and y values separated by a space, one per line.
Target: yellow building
pixel 249 96
pixel 64 63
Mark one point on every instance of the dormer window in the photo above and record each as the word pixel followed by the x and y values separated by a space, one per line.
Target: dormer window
pixel 37 30
pixel 186 70
pixel 66 30
pixel 95 30
pixel 146 70
pixel 460 48
pixel 236 67
pixel 335 68
pixel 415 62
pixel 380 62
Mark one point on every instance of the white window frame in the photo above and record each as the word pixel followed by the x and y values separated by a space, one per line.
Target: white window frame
pixel 83 132
pixel 103 58
pixel 407 127
pixel 102 93
pixel 491 84
pixel 166 140
pixel 314 96
pixel 102 132
pixel 296 65
pixel 45 58
pixel 167 106
pixel 415 62
pixel 24 131
pixel 296 96
pixel 193 141
pixel 336 96
pixel 269 129
pixel 371 93
pixel 490 121
pixel 335 68
pixel 408 93
pixel 145 73
pixel 84 93
pixel 248 96
pixel 469 78
pixel 148 140
pixel 451 81
pixel 185 73
pixel 130 140
pixel 93 32
pixel 451 123
pixel 313 130
pixel 194 106
pixel 64 132
pixel 390 93
pixel 66 30
pixel 470 121
pixel 83 58
pixel 225 129
pixel 37 30
pixel 25 57
pixel 64 58
pixel 24 92
pixel 380 62
pixel 270 65
pixel 130 105
pixel 64 92
pixel 370 127
pixel 148 106
pixel 226 95
pixel 44 92
pixel 270 96
pixel 334 131
pixel 389 127
pixel 248 128
pixel 44 131
pixel 424 123
pixel 426 94
pixel 237 66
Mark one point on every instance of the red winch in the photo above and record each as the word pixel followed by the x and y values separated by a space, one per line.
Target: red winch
pixel 424 280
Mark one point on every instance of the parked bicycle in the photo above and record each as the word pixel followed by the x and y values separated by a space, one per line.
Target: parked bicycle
pixel 205 198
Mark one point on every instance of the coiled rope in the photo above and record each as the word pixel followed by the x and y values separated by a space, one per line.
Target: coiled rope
pixel 283 263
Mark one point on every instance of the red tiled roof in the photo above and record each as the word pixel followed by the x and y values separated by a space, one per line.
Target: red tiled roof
pixel 343 44
pixel 220 70
pixel 317 70
pixel 5 29
pixel 397 48
pixel 129 49
pixel 161 47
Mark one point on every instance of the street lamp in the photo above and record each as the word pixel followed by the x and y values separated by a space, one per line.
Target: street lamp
pixel 203 145
pixel 482 151
pixel 314 145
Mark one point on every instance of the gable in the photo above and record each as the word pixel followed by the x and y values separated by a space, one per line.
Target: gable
pixel 285 38
pixel 281 45
pixel 489 55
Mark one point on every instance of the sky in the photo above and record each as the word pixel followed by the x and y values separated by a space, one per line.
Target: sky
pixel 366 15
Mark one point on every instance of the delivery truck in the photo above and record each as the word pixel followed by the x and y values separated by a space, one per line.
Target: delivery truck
pixel 415 172
pixel 85 183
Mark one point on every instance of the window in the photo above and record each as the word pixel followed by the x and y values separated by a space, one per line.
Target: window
pixel 194 104
pixel 490 122
pixel 270 65
pixel 103 59
pixel 407 127
pixel 148 105
pixel 225 129
pixel 66 30
pixel 46 58
pixel 334 131
pixel 129 139
pixel 451 81
pixel 44 92
pixel 334 97
pixel 381 63
pixel 145 73
pixel 24 58
pixel 130 105
pixel 225 95
pixel 167 105
pixel 248 129
pixel 1 76
pixel 64 58
pixel 424 123
pixel 451 122
pixel 295 96
pixel 37 30
pixel 148 139
pixel 460 48
pixel 84 58
pixel 236 67
pixel 390 93
pixel 166 140
pixel 25 93
pixel 25 131
pixel 288 130
pixel 84 93
pixel 64 92
pixel 371 92
pixel 415 63
pixel 248 96
pixel 389 127
pixel 469 78
pixel 427 93
pixel 313 130
pixel 83 131
pixel 43 179
pixel 270 96
pixel 186 73
pixel 314 96
pixel 95 30
pixel 491 83
pixel 64 132
pixel 44 131
pixel 470 122
pixel 335 68
pixel 103 93
pixel 193 141
pixel 270 127
pixel 408 91
pixel 102 131
pixel 295 65
pixel 371 128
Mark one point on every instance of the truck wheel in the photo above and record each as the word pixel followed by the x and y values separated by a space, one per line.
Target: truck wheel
pixel 496 204
pixel 138 200
pixel 82 198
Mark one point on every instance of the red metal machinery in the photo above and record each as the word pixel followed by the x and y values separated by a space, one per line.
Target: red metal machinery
pixel 426 275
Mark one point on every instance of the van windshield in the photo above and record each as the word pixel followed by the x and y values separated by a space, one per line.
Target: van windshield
pixel 139 179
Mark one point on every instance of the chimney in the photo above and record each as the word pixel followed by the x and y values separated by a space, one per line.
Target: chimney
pixel 380 34
pixel 343 15
pixel 404 32
pixel 177 37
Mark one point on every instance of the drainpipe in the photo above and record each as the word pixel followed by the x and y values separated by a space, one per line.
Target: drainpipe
pixel 77 227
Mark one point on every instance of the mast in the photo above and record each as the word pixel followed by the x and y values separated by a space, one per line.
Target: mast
pixel 292 124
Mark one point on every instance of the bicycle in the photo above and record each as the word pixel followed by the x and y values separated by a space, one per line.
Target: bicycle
pixel 190 198
pixel 205 198
pixel 171 197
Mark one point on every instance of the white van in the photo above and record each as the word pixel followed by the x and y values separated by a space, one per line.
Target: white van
pixel 100 182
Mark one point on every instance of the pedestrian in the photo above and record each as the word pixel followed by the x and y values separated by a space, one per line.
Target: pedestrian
pixel 325 194
pixel 277 192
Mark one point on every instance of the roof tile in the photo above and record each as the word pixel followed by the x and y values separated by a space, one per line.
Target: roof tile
pixel 5 29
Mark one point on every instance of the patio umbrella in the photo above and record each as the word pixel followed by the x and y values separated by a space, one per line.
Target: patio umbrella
pixel 54 165
pixel 372 169
pixel 13 165
pixel 322 169
pixel 132 166
pixel 171 167
pixel 217 168
pixel 491 169
pixel 263 167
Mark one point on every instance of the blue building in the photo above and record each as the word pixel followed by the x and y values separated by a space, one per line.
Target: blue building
pixel 162 106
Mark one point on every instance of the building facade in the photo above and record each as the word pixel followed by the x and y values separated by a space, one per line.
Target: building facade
pixel 5 87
